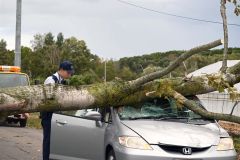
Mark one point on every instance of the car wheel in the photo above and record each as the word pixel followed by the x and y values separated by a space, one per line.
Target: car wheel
pixel 23 123
pixel 111 155
pixel 3 123
pixel 9 121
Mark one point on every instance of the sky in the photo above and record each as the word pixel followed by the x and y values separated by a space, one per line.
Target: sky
pixel 113 29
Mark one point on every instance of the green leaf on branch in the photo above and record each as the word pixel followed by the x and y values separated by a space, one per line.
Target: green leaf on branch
pixel 218 82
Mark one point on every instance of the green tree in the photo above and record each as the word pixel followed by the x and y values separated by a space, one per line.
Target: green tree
pixel 6 56
pixel 26 60
pixel 38 41
pixel 86 78
pixel 77 52
pixel 60 39
pixel 49 39
pixel 127 74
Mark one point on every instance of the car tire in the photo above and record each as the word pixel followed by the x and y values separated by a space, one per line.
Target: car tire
pixel 3 123
pixel 9 121
pixel 23 123
pixel 111 155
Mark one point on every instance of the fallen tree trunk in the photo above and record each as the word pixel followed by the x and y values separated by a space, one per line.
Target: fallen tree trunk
pixel 57 97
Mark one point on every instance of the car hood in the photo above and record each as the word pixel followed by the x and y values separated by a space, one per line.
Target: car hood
pixel 175 133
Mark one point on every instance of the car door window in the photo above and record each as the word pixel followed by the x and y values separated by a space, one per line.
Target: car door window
pixel 82 113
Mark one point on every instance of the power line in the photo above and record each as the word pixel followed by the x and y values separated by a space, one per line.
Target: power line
pixel 174 15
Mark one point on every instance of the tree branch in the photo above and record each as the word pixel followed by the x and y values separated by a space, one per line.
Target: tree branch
pixel 147 78
pixel 199 110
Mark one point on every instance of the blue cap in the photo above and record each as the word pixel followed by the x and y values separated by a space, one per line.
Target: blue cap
pixel 67 66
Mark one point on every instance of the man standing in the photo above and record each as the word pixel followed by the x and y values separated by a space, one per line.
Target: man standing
pixel 65 71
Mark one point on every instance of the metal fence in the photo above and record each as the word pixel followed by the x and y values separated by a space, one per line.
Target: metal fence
pixel 220 103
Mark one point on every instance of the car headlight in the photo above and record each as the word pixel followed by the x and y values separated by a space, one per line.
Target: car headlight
pixel 134 142
pixel 225 144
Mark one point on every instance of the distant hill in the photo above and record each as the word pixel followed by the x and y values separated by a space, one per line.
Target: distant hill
pixel 162 59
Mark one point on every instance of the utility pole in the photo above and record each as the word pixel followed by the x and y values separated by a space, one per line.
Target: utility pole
pixel 17 59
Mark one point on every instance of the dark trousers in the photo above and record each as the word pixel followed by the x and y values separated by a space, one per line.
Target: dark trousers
pixel 46 125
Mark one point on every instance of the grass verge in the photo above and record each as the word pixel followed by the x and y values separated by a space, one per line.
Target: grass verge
pixel 34 121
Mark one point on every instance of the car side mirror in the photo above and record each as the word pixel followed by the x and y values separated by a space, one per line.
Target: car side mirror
pixel 94 115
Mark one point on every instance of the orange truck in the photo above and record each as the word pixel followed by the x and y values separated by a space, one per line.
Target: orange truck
pixel 11 76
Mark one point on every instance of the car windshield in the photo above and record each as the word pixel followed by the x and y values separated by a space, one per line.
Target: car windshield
pixel 12 80
pixel 160 109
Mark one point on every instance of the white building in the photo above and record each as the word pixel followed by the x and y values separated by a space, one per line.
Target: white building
pixel 215 101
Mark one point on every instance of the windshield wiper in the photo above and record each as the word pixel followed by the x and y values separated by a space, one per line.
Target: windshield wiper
pixel 171 117
pixel 185 120
pixel 147 117
pixel 199 118
pixel 168 118
pixel 162 117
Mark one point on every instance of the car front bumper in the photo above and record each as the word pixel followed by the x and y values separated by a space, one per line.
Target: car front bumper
pixel 157 153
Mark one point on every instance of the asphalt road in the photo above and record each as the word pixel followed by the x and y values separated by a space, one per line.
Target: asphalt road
pixel 20 143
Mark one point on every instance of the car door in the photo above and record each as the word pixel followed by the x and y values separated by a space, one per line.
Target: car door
pixel 74 137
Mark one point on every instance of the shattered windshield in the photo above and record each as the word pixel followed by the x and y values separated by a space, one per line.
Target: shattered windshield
pixel 159 109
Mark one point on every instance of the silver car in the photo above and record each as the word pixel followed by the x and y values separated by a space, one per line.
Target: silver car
pixel 159 129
